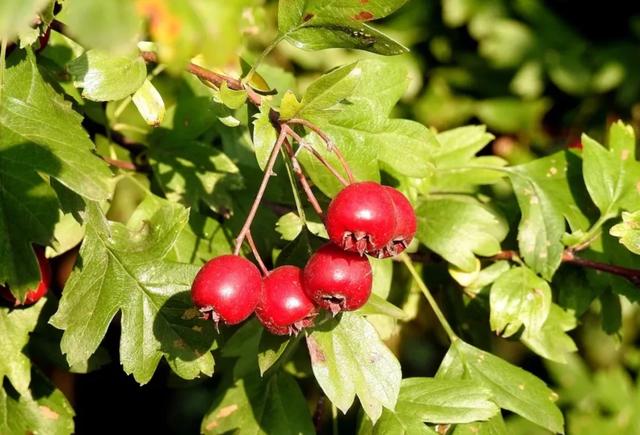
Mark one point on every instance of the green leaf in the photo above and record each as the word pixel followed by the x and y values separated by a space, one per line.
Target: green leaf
pixel 289 226
pixel 16 16
pixel 612 176
pixel 519 298
pixel 393 423
pixel 459 145
pixel 111 25
pixel 264 136
pixel 457 227
pixel 105 76
pixel 199 241
pixel 149 103
pixel 190 171
pixel 328 91
pixel 494 426
pixel 512 388
pixel 252 405
pixel 348 359
pixel 433 400
pixel 15 327
pixel 271 348
pixel 552 341
pixel 122 270
pixel 39 134
pixel 232 98
pixel 44 410
pixel 360 128
pixel 545 191
pixel 377 305
pixel 628 231
pixel 315 25
pixel 436 400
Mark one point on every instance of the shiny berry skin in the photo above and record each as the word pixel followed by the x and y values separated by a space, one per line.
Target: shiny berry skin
pixel 337 280
pixel 406 224
pixel 361 218
pixel 284 308
pixel 227 288
pixel 34 295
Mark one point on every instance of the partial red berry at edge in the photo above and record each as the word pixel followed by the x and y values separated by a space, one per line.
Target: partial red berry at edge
pixel 406 224
pixel 34 295
pixel 227 288
pixel 284 308
pixel 361 218
pixel 337 280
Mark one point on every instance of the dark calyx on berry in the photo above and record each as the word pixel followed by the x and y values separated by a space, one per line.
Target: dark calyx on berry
pixel 406 224
pixel 36 294
pixel 227 288
pixel 361 218
pixel 338 280
pixel 284 308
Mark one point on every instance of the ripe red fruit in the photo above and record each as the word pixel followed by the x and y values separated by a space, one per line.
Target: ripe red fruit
pixel 337 280
pixel 405 224
pixel 360 218
pixel 284 308
pixel 34 295
pixel 227 288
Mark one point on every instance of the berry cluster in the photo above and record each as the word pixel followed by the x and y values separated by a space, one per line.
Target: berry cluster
pixel 364 218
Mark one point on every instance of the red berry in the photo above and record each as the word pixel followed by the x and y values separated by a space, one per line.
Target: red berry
pixel 360 218
pixel 405 224
pixel 337 280
pixel 34 295
pixel 227 288
pixel 284 308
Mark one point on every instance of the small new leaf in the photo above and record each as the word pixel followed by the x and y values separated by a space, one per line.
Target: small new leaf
pixel 628 231
pixel 612 176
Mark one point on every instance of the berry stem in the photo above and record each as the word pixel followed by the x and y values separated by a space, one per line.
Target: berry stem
pixel 304 182
pixel 256 254
pixel 427 294
pixel 328 141
pixel 316 154
pixel 268 172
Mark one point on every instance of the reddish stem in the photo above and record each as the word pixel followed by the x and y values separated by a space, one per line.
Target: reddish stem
pixel 297 169
pixel 268 172
pixel 328 141
pixel 316 154
pixel 256 254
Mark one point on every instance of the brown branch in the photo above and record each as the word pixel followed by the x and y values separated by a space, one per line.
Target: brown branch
pixel 268 172
pixel 121 164
pixel 569 257
pixel 632 275
pixel 212 77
